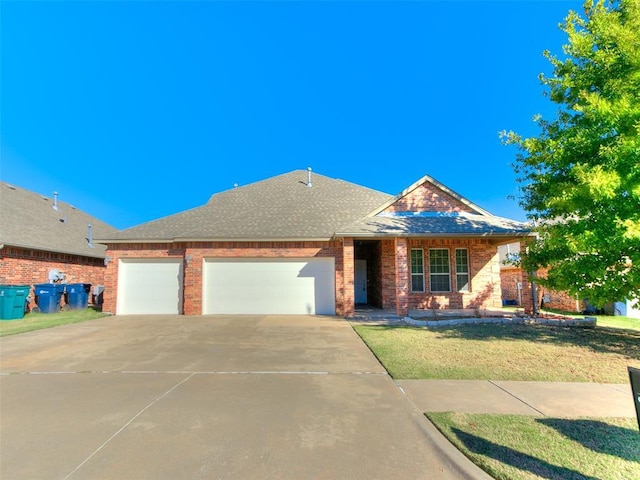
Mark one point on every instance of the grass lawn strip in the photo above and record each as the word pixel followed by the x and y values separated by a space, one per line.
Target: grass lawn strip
pixel 505 352
pixel 38 321
pixel 515 447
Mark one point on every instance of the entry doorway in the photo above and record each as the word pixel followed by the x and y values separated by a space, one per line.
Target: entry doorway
pixel 367 273
pixel 360 282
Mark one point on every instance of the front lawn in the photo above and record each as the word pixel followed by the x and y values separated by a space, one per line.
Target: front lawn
pixel 518 447
pixel 505 352
pixel 38 321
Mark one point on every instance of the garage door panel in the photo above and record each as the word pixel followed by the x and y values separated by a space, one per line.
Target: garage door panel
pixel 149 286
pixel 260 286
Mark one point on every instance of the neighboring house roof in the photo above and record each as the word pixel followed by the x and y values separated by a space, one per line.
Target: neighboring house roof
pixel 28 220
pixel 285 208
pixel 278 208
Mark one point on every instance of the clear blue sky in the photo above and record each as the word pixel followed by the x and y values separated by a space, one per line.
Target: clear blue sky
pixel 135 110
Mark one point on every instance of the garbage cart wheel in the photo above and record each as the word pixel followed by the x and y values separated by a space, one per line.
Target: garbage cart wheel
pixel 65 308
pixel 35 309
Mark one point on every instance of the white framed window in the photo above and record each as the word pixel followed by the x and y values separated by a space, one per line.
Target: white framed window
pixel 417 270
pixel 439 270
pixel 462 270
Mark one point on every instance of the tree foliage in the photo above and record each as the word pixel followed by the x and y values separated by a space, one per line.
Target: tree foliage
pixel 579 179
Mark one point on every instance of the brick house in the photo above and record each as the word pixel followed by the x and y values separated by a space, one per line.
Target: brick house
pixel 302 243
pixel 39 235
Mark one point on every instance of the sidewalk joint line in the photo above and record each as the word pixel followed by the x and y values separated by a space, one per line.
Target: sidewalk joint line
pixel 517 398
pixel 127 424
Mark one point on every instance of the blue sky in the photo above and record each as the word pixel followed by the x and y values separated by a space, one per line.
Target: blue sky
pixel 135 110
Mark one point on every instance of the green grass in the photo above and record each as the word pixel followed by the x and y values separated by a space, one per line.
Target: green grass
pixel 505 352
pixel 514 447
pixel 37 321
pixel 609 321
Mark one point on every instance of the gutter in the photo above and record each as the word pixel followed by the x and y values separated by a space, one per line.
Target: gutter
pixel 214 240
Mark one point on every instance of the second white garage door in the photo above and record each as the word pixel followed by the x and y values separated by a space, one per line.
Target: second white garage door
pixel 269 286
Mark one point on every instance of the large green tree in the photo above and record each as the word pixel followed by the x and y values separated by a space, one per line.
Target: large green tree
pixel 579 179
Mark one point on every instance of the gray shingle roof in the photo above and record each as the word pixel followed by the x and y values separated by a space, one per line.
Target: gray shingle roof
pixel 29 220
pixel 463 224
pixel 278 208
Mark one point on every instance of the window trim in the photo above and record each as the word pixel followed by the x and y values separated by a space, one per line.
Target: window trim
pixel 438 274
pixel 420 274
pixel 467 273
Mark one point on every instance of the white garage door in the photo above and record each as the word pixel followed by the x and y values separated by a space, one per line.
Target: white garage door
pixel 269 286
pixel 149 286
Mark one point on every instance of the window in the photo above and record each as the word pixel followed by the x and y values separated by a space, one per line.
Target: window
pixel 417 270
pixel 439 270
pixel 462 270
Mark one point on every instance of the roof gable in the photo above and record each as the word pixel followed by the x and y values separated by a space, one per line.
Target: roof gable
pixel 29 220
pixel 428 195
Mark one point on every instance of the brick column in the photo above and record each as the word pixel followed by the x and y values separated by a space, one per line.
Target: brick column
pixel 402 277
pixel 192 282
pixel 348 272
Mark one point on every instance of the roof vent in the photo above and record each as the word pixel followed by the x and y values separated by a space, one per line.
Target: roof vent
pixel 90 239
pixel 309 177
pixel 55 200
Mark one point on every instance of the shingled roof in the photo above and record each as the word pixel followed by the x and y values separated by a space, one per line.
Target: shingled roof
pixel 283 207
pixel 28 220
pixel 435 225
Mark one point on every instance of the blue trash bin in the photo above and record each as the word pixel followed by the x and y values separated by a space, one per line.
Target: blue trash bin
pixel 48 297
pixel 78 295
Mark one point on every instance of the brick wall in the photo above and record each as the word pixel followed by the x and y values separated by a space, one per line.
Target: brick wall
pixel 484 274
pixel 21 266
pixel 196 252
pixel 556 300
pixel 427 198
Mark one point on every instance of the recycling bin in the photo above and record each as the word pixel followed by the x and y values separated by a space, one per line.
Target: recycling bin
pixel 634 379
pixel 48 296
pixel 97 293
pixel 12 301
pixel 77 295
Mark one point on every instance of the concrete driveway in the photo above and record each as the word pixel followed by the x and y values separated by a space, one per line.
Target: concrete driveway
pixel 224 397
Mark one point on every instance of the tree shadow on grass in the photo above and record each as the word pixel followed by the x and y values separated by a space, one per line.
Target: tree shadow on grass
pixel 599 436
pixel 599 339
pixel 517 459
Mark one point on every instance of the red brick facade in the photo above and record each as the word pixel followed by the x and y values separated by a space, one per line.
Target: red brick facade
pixel 194 255
pixel 427 198
pixel 394 270
pixel 20 266
pixel 546 298
pixel 484 275
pixel 388 262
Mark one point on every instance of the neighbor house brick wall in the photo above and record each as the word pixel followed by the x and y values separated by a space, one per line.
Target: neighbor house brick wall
pixel 21 266
pixel 484 276
pixel 509 279
pixel 194 254
pixel 427 198
pixel 557 300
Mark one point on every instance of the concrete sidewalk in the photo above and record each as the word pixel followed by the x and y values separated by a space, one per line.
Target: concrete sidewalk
pixel 551 399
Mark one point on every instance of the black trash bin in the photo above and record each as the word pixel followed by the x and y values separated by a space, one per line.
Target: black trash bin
pixel 78 295
pixel 48 296
pixel 634 378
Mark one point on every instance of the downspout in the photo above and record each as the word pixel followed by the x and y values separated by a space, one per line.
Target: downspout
pixel 534 294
